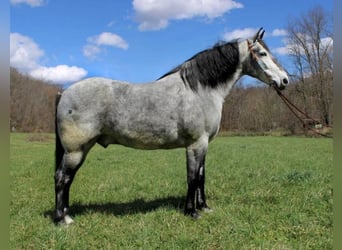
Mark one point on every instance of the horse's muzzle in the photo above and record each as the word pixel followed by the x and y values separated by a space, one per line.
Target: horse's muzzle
pixel 277 86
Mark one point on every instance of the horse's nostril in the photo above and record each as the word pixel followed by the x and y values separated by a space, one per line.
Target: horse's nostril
pixel 285 81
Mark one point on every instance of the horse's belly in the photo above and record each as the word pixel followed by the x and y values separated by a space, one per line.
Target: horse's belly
pixel 145 138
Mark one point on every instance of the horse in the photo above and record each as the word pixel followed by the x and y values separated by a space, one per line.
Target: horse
pixel 182 109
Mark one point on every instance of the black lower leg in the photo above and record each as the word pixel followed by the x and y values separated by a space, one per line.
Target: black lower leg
pixel 190 200
pixel 195 173
pixel 201 202
pixel 201 198
pixel 59 196
pixel 63 180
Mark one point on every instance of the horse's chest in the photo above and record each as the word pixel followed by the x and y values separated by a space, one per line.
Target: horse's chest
pixel 213 118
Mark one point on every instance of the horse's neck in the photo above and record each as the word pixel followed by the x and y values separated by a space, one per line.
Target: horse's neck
pixel 224 89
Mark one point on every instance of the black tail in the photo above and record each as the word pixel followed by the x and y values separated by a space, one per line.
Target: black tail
pixel 59 150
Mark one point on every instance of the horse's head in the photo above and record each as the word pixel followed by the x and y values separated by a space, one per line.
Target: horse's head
pixel 259 63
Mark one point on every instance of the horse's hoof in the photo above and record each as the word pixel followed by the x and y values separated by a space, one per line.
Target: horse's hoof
pixel 193 214
pixel 205 208
pixel 64 221
pixel 68 220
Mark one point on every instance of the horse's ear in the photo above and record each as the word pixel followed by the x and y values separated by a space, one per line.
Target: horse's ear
pixel 258 35
pixel 262 34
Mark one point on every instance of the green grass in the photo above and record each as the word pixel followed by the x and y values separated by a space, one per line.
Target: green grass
pixel 266 192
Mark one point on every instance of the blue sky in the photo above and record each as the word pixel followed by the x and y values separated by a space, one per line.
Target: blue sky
pixel 139 40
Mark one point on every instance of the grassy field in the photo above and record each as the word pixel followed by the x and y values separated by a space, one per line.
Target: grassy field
pixel 266 192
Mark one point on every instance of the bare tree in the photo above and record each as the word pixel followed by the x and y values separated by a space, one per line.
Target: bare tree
pixel 310 41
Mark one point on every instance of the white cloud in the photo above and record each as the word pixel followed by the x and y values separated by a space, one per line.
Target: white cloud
pixel 25 55
pixel 60 74
pixel 32 3
pixel 281 50
pixel 104 39
pixel 326 45
pixel 240 33
pixel 109 39
pixel 91 50
pixel 279 32
pixel 111 23
pixel 155 14
pixel 24 52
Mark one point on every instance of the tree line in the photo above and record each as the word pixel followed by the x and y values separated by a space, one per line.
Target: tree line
pixel 32 103
pixel 255 109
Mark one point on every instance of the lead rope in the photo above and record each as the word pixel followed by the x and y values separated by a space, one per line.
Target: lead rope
pixel 294 109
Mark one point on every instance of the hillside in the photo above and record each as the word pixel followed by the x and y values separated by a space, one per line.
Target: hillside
pixel 32 104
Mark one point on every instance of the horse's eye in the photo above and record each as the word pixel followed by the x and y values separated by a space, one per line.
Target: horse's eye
pixel 263 54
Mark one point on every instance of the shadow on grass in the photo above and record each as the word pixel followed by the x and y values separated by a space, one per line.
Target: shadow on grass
pixel 125 208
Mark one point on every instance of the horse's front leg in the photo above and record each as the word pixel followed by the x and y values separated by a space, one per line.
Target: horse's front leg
pixel 195 155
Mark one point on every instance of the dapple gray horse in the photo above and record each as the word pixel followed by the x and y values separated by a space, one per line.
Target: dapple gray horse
pixel 181 109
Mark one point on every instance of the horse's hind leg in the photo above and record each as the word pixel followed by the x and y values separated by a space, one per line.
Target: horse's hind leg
pixel 64 177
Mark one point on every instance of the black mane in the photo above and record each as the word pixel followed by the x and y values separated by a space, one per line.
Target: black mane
pixel 210 67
